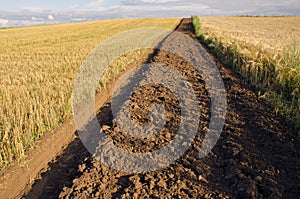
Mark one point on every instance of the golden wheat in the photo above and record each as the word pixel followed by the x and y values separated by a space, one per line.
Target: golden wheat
pixel 255 34
pixel 38 66
pixel 266 51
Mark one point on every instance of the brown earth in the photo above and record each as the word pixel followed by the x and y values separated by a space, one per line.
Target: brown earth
pixel 257 155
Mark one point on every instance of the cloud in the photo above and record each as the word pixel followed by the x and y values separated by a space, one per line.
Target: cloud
pixel 50 17
pixel 101 9
pixel 32 9
pixel 3 22
pixel 25 23
pixel 97 4
pixel 180 8
pixel 74 6
pixel 255 7
pixel 36 19
pixel 160 3
pixel 78 19
pixel 160 8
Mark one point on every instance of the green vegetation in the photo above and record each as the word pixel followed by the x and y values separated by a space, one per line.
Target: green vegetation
pixel 197 27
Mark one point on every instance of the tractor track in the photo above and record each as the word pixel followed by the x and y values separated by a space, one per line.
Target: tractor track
pixel 257 155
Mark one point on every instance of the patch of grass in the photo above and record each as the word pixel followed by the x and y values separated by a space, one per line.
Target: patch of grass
pixel 197 26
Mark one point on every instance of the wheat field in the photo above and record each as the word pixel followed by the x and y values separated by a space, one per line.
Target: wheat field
pixel 38 66
pixel 266 51
pixel 268 34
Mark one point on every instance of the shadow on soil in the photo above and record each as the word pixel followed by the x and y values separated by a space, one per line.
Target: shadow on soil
pixel 64 169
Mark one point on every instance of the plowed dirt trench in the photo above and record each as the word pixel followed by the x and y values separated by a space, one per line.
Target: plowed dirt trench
pixel 257 155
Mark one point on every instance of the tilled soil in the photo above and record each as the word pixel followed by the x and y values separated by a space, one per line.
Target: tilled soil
pixel 257 155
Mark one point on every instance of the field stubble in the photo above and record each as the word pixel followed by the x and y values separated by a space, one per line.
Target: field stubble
pixel 38 66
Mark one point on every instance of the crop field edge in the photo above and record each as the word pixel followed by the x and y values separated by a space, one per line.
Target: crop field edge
pixel 267 82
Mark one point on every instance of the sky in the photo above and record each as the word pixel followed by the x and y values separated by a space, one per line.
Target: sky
pixel 37 12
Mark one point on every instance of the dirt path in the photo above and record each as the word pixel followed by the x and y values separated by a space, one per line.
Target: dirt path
pixel 256 157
